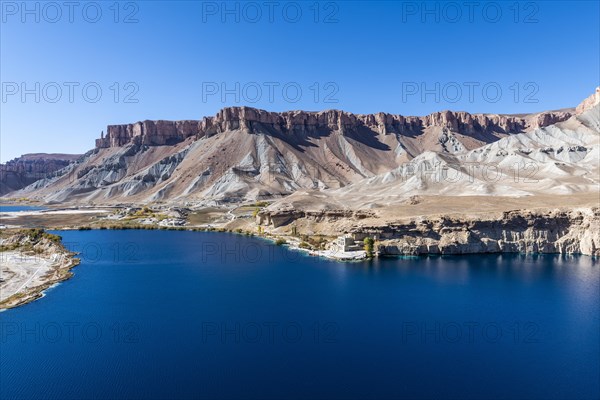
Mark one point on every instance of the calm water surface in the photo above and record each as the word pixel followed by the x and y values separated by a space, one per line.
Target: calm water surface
pixel 15 208
pixel 167 314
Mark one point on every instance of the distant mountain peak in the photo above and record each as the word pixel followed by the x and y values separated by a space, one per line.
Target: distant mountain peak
pixel 591 101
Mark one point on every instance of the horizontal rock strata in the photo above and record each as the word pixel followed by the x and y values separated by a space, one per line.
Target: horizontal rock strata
pixel 158 133
pixel 520 231
pixel 564 232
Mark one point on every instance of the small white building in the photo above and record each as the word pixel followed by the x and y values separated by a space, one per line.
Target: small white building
pixel 347 243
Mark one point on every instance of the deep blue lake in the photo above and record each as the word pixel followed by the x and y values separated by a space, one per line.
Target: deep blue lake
pixel 168 314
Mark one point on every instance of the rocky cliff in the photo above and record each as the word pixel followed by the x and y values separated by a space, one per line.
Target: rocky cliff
pixel 29 168
pixel 558 231
pixel 152 133
pixel 246 154
pixel 564 231
pixel 278 218
pixel 157 133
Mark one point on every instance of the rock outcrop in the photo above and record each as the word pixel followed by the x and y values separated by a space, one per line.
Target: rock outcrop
pixel 29 168
pixel 152 133
pixel 157 133
pixel 521 231
pixel 564 231
pixel 284 217
pixel 589 103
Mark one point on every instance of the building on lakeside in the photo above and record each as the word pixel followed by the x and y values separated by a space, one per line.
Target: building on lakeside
pixel 348 243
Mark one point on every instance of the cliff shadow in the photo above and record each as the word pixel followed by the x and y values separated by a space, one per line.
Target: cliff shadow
pixel 298 139
pixel 367 137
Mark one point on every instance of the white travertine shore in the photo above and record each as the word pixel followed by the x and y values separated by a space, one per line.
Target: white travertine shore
pixel 31 262
pixel 20 272
pixel 15 214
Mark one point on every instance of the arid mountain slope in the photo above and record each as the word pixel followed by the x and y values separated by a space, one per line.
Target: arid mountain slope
pixel 244 153
pixel 559 159
pixel 23 171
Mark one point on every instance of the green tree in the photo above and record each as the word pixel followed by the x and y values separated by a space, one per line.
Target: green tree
pixel 369 246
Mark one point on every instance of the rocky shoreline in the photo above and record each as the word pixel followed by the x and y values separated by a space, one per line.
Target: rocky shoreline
pixel 557 231
pixel 554 232
pixel 32 261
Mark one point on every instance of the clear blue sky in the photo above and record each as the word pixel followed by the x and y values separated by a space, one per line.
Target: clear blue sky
pixel 368 57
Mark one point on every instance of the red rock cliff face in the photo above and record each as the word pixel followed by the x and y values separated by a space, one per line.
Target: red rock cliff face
pixel 158 133
pixel 29 168
pixel 155 133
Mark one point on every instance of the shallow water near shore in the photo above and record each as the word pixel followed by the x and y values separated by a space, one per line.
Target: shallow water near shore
pixel 19 208
pixel 176 314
